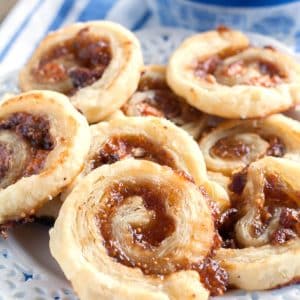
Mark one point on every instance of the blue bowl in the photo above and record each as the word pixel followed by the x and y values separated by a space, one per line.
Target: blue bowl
pixel 244 3
pixel 277 18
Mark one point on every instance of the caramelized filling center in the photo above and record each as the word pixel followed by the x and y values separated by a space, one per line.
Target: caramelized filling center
pixel 230 148
pixel 74 63
pixel 35 131
pixel 280 196
pixel 279 200
pixel 159 226
pixel 147 232
pixel 233 148
pixel 161 102
pixel 137 146
pixel 257 72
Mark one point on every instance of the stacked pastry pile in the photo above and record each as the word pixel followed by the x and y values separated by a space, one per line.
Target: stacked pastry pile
pixel 162 197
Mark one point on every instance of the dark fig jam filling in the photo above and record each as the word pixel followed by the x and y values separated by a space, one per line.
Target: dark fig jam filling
pixel 277 197
pixel 162 102
pixel 232 148
pixel 35 130
pixel 275 192
pixel 74 63
pixel 280 196
pixel 137 146
pixel 213 277
pixel 238 182
pixel 149 236
pixel 225 227
pixel 249 72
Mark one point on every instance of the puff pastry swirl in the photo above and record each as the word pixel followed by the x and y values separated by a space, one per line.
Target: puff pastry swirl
pixel 267 227
pixel 233 145
pixel 154 139
pixel 43 144
pixel 125 224
pixel 97 64
pixel 219 73
pixel 154 98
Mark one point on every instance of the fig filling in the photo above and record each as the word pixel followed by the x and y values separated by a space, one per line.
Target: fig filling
pixel 147 236
pixel 35 131
pixel 278 198
pixel 120 147
pixel 232 148
pixel 74 63
pixel 258 72
pixel 238 182
pixel 225 226
pixel 213 277
pixel 160 101
pixel 150 235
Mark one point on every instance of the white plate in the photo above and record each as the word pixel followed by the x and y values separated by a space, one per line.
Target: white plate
pixel 27 270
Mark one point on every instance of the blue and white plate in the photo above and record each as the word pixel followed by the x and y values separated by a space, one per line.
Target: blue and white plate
pixel 27 270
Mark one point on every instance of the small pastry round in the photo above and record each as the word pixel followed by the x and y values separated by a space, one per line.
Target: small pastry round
pixel 134 230
pixel 154 139
pixel 270 207
pixel 97 64
pixel 154 98
pixel 43 144
pixel 235 144
pixel 267 227
pixel 219 73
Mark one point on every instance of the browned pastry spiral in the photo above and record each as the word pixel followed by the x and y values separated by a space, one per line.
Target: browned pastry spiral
pixel 135 229
pixel 154 139
pixel 264 225
pixel 233 145
pixel 155 98
pixel 43 144
pixel 96 63
pixel 219 73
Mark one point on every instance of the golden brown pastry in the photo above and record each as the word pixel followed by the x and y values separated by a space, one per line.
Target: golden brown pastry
pixel 43 144
pixel 154 98
pixel 221 179
pixel 49 212
pixel 219 73
pixel 135 230
pixel 96 63
pixel 154 139
pixel 270 197
pixel 262 268
pixel 235 144
pixel 264 226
